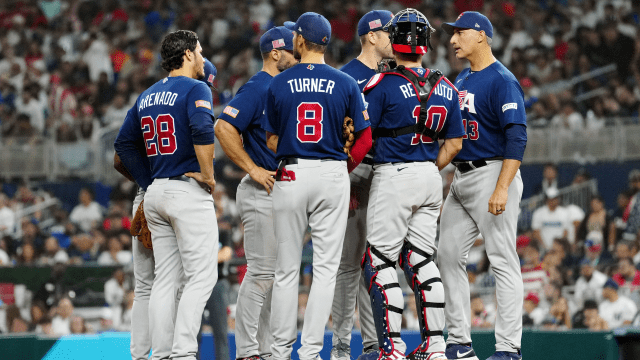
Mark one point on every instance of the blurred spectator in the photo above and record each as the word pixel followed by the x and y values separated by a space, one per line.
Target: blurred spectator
pixel 114 289
pixel 88 213
pixel 550 221
pixel 83 248
pixel 576 216
pixel 631 214
pixel 627 275
pixel 410 315
pixel 7 216
pixel 479 315
pixel 588 318
pixel 625 249
pixel 589 284
pixel 620 215
pixel 533 275
pixel 560 314
pixel 616 310
pixel 595 252
pixel 5 260
pixel 115 255
pixel 78 325
pixel 53 253
pixel 106 320
pixel 532 314
pixel 45 327
pixel 61 322
pixel 549 179
pixel 38 312
pixel 124 320
pixel 27 255
pixel 569 120
pixel 596 219
pixel 116 112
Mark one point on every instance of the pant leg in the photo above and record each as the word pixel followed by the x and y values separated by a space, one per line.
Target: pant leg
pixel 193 216
pixel 348 278
pixel 218 318
pixel 168 275
pixel 143 265
pixel 458 232
pixel 328 207
pixel 290 223
pixel 367 326
pixel 252 320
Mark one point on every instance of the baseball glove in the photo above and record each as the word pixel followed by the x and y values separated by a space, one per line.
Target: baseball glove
pixel 139 227
pixel 348 135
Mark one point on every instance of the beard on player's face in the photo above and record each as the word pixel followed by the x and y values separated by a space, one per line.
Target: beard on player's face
pixel 286 61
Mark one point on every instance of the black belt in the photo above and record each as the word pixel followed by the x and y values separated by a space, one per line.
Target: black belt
pixel 293 161
pixel 368 161
pixel 180 178
pixel 466 166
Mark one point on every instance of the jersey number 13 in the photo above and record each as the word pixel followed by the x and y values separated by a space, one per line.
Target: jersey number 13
pixel 159 134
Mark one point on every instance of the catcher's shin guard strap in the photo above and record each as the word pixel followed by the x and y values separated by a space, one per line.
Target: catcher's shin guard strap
pixel 381 295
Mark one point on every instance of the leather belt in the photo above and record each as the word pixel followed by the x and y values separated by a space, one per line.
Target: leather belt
pixel 185 178
pixel 466 166
pixel 293 161
pixel 368 161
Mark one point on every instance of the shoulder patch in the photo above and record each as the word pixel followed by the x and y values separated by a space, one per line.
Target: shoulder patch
pixel 375 80
pixel 231 111
pixel 203 103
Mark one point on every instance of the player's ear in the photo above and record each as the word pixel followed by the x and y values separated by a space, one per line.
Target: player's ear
pixel 275 55
pixel 371 36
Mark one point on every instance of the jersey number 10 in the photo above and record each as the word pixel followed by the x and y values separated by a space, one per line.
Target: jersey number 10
pixel 432 112
pixel 164 128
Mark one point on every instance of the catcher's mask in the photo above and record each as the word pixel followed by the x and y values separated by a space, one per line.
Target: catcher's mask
pixel 409 32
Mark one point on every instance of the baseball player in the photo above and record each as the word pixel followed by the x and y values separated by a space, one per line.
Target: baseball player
pixel 143 261
pixel 238 125
pixel 410 109
pixel 306 107
pixel 174 120
pixel 375 47
pixel 486 190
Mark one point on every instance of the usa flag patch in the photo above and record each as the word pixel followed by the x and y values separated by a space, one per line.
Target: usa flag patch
pixel 231 111
pixel 366 115
pixel 375 24
pixel 461 96
pixel 203 103
pixel 277 43
pixel 210 78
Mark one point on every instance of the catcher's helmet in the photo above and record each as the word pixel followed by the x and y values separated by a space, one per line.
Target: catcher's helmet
pixel 409 32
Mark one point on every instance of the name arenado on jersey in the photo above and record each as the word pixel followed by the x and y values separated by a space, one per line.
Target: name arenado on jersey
pixel 159 98
pixel 311 85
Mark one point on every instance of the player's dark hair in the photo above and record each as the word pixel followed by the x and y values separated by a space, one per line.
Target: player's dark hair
pixel 311 46
pixel 174 45
pixel 407 57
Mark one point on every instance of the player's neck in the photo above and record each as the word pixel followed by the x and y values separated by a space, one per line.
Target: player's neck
pixel 481 59
pixel 409 64
pixel 369 58
pixel 270 68
pixel 311 57
pixel 183 71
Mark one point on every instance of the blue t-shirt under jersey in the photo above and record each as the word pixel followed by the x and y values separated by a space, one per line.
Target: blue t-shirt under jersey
pixel 246 111
pixel 306 106
pixel 170 118
pixel 393 104
pixel 490 99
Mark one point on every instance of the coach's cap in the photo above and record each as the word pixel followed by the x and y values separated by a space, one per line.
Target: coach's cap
pixel 313 27
pixel 470 20
pixel 210 72
pixel 610 283
pixel 278 37
pixel 373 21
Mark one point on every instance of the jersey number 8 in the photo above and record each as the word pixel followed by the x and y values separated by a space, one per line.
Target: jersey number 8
pixel 309 129
pixel 164 128
pixel 433 111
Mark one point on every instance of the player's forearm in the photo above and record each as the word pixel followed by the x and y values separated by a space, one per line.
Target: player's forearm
pixel 231 143
pixel 205 155
pixel 509 169
pixel 119 166
pixel 449 149
pixel 272 141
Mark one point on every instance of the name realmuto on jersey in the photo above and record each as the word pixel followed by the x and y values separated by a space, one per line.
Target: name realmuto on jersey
pixel 311 85
pixel 159 98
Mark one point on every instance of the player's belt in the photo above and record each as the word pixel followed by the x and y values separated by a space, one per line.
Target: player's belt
pixel 466 166
pixel 293 161
pixel 185 178
pixel 368 161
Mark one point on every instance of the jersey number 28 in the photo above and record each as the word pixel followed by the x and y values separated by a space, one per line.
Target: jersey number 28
pixel 309 129
pixel 433 111
pixel 164 128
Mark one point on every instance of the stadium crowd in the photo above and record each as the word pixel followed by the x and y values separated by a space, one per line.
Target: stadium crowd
pixel 70 70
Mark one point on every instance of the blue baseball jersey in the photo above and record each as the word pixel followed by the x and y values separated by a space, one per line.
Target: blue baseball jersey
pixel 246 111
pixel 490 100
pixel 393 104
pixel 359 71
pixel 169 118
pixel 306 106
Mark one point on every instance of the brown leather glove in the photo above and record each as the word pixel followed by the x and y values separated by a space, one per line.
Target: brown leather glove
pixel 139 227
pixel 348 135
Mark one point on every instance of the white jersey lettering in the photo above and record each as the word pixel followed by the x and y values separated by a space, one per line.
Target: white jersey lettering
pixel 311 85
pixel 407 90
pixel 159 98
pixel 468 103
pixel 444 91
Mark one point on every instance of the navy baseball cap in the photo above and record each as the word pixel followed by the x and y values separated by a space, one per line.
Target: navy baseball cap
pixel 611 283
pixel 470 20
pixel 278 37
pixel 373 21
pixel 313 27
pixel 210 72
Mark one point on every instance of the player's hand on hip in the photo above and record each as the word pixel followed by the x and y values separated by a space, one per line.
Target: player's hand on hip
pixel 498 201
pixel 210 182
pixel 264 177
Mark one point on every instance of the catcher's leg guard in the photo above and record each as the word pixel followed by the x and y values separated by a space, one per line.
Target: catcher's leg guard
pixel 423 276
pixel 387 302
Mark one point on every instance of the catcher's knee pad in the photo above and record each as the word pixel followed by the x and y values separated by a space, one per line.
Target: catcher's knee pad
pixel 387 301
pixel 423 276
